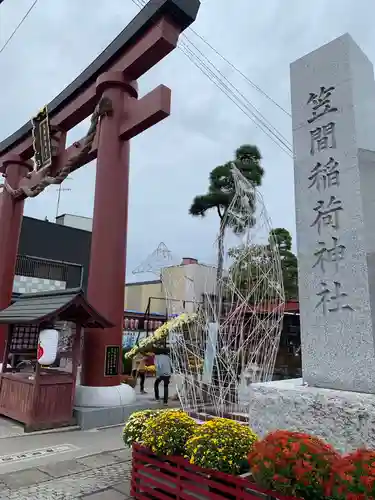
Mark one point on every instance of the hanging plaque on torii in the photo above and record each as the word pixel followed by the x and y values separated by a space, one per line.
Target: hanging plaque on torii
pixel 42 144
pixel 107 90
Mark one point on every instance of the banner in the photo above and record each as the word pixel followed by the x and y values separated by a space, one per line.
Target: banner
pixel 129 338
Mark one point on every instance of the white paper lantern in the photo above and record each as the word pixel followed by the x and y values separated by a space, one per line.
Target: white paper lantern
pixel 47 346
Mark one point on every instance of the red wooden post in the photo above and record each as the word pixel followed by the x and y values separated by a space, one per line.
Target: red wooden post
pixel 8 339
pixel 108 244
pixel 76 356
pixel 11 212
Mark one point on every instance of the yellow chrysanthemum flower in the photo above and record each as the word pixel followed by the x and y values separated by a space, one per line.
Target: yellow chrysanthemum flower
pixel 162 333
pixel 220 444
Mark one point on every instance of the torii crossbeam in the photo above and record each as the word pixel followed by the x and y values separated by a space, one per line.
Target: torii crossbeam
pixel 108 90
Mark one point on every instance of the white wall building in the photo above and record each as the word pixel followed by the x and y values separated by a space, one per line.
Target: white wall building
pixel 76 221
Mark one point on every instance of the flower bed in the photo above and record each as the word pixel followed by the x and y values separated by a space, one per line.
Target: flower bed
pixel 222 445
pixel 175 457
pixel 135 426
pixel 293 463
pixel 353 477
pixel 166 478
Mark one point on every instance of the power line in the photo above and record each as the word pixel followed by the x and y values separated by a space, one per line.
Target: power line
pixel 18 26
pixel 222 83
pixel 245 107
pixel 250 82
pixel 208 69
pixel 256 87
pixel 249 106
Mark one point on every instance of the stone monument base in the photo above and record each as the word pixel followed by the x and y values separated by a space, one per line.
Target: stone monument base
pixel 344 419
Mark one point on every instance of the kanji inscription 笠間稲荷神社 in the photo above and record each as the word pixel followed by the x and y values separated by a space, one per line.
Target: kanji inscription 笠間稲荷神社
pixel 331 112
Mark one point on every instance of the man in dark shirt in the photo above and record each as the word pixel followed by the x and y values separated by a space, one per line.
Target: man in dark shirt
pixel 163 366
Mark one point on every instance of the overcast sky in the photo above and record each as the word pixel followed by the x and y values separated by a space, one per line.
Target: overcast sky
pixel 171 162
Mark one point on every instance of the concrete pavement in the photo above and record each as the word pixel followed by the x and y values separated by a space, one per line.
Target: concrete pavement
pixel 18 453
pixel 63 465
pixel 103 476
pixel 66 464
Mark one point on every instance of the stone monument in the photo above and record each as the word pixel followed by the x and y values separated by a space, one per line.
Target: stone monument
pixel 333 114
pixel 333 96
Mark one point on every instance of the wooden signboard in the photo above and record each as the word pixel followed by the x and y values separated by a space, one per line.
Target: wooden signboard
pixel 42 140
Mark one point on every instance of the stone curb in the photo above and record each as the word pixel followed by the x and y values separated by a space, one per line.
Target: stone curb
pixel 71 428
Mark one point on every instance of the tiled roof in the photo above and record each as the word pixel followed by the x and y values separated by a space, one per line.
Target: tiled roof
pixel 65 305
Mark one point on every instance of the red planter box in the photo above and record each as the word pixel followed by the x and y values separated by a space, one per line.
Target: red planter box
pixel 174 478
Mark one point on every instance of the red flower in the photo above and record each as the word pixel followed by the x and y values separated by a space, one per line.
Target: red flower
pixel 353 476
pixel 279 478
pixel 292 463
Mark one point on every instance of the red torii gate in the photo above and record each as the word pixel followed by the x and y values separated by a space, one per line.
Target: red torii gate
pixel 108 89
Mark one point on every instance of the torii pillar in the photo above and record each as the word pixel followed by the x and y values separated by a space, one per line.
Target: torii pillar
pixel 106 282
pixel 11 212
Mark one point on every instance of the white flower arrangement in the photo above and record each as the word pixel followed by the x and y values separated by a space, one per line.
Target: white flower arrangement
pixel 162 333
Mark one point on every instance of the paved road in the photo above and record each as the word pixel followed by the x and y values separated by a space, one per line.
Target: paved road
pixel 30 450
pixel 67 464
pixel 103 476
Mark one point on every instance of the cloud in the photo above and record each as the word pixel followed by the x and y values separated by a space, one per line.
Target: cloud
pixel 170 164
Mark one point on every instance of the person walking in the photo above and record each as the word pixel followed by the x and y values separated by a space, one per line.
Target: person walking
pixel 139 370
pixel 163 367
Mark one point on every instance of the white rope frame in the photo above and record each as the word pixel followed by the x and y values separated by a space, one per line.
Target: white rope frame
pixel 236 343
